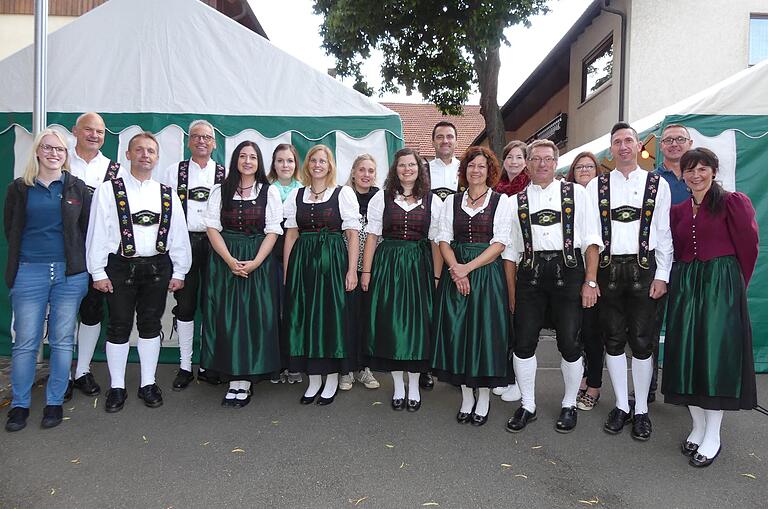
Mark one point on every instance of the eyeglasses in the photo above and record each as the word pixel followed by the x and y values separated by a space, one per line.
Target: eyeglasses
pixel 410 166
pixel 50 148
pixel 201 137
pixel 584 167
pixel 537 160
pixel 680 140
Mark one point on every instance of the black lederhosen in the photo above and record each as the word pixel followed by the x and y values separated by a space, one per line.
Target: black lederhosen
pixel 187 297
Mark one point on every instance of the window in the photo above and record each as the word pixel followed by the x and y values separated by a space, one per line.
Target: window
pixel 758 38
pixel 597 68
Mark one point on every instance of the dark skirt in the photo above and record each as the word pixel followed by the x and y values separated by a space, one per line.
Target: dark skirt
pixel 471 333
pixel 708 360
pixel 399 307
pixel 317 330
pixel 241 315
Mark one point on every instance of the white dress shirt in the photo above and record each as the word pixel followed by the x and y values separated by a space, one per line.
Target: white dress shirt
pixel 501 221
pixel 349 208
pixel 376 213
pixel 104 229
pixel 196 177
pixel 444 175
pixel 625 236
pixel 93 172
pixel 550 237
pixel 273 213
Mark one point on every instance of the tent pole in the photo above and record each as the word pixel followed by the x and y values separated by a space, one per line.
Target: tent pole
pixel 39 113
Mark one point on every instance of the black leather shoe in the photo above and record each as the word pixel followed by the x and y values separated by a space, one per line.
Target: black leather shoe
pixel 641 427
pixel 463 417
pixel 479 420
pixel 426 381
pixel 520 420
pixel 413 405
pixel 17 419
pixel 52 416
pixel 68 392
pixel 115 400
pixel 326 401
pixel 308 400
pixel 567 420
pixel 616 420
pixel 688 448
pixel 152 395
pixel 398 404
pixel 229 402
pixel 87 385
pixel 701 461
pixel 240 403
pixel 209 376
pixel 182 380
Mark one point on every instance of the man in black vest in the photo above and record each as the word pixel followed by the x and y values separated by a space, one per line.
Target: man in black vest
pixel 137 250
pixel 551 237
pixel 192 180
pixel 631 208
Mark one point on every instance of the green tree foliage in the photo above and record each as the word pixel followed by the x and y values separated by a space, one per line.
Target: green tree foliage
pixel 442 49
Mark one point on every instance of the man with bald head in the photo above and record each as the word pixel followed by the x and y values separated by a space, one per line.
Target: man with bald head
pixel 91 166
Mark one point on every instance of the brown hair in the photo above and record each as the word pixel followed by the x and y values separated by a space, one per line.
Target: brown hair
pixel 420 187
pixel 571 176
pixel 494 168
pixel 284 146
pixel 715 198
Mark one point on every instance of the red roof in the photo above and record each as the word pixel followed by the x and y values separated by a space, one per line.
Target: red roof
pixel 419 119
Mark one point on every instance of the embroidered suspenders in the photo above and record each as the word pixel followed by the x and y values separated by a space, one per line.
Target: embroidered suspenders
pixel 546 217
pixel 142 218
pixel 627 214
pixel 568 217
pixel 525 226
pixel 198 193
pixel 110 174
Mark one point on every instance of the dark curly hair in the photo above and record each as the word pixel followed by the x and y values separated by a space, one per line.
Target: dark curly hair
pixel 421 187
pixel 494 168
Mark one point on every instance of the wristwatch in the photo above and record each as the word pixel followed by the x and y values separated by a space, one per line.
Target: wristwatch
pixel 591 284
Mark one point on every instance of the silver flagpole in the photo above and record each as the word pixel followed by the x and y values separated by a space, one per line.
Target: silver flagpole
pixel 39 112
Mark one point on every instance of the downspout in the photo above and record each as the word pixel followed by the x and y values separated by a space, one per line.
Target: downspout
pixel 623 17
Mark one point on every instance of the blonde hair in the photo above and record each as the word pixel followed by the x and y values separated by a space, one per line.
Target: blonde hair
pixel 32 170
pixel 359 159
pixel 306 177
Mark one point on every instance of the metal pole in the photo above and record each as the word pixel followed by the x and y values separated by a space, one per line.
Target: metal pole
pixel 39 112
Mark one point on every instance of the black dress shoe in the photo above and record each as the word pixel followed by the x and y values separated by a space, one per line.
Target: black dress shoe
pixel 463 417
pixel 87 385
pixel 426 381
pixel 413 405
pixel 209 376
pixel 17 419
pixel 308 400
pixel 520 420
pixel 326 401
pixel 478 420
pixel 68 392
pixel 52 416
pixel 567 420
pixel 152 395
pixel 229 402
pixel 688 448
pixel 240 403
pixel 700 461
pixel 398 404
pixel 616 420
pixel 115 400
pixel 641 427
pixel 182 380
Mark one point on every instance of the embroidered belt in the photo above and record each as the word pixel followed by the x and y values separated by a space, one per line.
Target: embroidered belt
pixel 545 217
pixel 625 214
pixel 199 194
pixel 145 218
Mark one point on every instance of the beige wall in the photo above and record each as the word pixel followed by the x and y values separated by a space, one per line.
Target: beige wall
pixel 556 104
pixel 18 31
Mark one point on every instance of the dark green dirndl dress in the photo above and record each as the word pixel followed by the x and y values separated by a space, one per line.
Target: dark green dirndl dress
pixel 241 315
pixel 400 294
pixel 317 332
pixel 470 345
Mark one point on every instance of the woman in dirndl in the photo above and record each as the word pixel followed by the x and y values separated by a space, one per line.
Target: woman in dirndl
pixel 241 312
pixel 320 272
pixel 399 276
pixel 708 360
pixel 471 320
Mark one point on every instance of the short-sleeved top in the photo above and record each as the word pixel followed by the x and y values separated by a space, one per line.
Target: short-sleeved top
pixel 390 216
pixel 259 211
pixel 336 201
pixel 490 223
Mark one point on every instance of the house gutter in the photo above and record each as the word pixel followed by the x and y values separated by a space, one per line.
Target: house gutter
pixel 622 82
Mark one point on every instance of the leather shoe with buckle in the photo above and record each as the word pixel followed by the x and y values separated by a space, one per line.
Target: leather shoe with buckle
pixel 182 380
pixel 152 395
pixel 463 417
pixel 426 381
pixel 398 404
pixel 115 400
pixel 52 416
pixel 241 402
pixel 326 401
pixel 641 427
pixel 567 420
pixel 413 405
pixel 701 461
pixel 616 420
pixel 229 402
pixel 87 385
pixel 688 448
pixel 209 376
pixel 520 420
pixel 478 420
pixel 17 419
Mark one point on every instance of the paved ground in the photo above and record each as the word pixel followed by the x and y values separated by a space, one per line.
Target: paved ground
pixel 358 452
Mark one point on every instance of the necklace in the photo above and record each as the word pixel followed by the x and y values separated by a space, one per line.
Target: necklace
pixel 695 203
pixel 317 194
pixel 244 188
pixel 473 201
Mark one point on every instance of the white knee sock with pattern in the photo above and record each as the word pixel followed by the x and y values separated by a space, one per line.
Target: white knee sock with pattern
pixel 467 399
pixel 711 443
pixel 414 393
pixel 399 385
pixel 699 425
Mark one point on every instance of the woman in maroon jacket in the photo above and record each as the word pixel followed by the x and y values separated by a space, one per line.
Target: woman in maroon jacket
pixel 708 363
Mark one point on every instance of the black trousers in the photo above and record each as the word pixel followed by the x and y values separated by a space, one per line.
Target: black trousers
pixel 661 311
pixel 592 339
pixel 92 306
pixel 627 314
pixel 140 287
pixel 187 297
pixel 549 293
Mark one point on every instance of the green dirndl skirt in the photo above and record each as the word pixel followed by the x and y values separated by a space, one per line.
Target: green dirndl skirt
pixel 399 307
pixel 241 315
pixel 316 331
pixel 708 360
pixel 471 333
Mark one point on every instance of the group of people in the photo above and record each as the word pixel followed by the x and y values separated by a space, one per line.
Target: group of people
pixel 451 269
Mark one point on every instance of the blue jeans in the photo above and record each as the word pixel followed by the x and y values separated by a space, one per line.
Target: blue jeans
pixel 37 286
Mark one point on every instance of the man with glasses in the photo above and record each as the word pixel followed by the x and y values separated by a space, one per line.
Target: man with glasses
pixel 192 179
pixel 631 209
pixel 675 141
pixel 551 237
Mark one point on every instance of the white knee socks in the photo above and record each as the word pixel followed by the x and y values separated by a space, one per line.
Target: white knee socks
pixel 525 372
pixel 331 384
pixel 149 352
pixel 617 370
pixel 117 358
pixel 467 399
pixel 414 393
pixel 642 372
pixel 699 425
pixel 87 337
pixel 572 372
pixel 483 401
pixel 186 332
pixel 315 382
pixel 399 385
pixel 711 443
